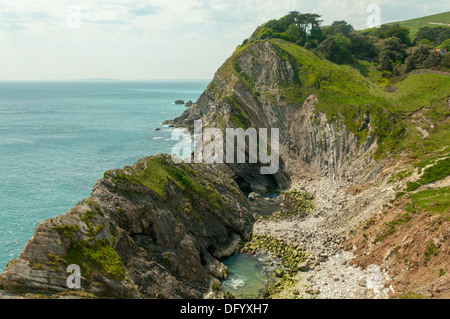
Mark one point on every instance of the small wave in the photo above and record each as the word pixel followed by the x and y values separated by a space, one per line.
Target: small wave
pixel 9 141
pixel 235 281
pixel 11 112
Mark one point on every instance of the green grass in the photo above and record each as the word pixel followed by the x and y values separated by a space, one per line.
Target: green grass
pixel 158 171
pixel 431 250
pixel 434 200
pixel 434 173
pixel 412 295
pixel 422 90
pixel 415 24
pixel 437 172
pixel 67 230
pixel 239 117
pixel 347 92
pixel 99 257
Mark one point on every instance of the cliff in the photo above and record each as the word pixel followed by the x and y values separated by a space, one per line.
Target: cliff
pixel 358 142
pixel 156 230
pixel 153 230
pixel 276 84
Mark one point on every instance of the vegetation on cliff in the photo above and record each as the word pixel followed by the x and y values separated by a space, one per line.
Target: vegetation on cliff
pixel 354 94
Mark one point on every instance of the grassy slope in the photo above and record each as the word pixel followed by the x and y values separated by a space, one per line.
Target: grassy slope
pixel 415 24
pixel 429 21
pixel 348 92
pixel 352 91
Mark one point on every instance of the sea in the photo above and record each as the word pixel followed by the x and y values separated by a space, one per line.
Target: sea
pixel 57 138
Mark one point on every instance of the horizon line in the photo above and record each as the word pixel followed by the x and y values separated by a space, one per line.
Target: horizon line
pixel 103 79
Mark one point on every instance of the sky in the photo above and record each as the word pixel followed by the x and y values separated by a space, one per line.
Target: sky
pixel 155 39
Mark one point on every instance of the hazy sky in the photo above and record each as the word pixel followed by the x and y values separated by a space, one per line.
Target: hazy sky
pixel 154 39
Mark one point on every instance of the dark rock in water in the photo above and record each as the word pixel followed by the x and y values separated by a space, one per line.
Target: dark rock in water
pixel 188 103
pixel 179 102
pixel 158 129
pixel 153 230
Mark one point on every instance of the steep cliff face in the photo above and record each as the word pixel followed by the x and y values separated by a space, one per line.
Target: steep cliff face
pixel 153 230
pixel 265 85
pixel 157 229
pixel 359 148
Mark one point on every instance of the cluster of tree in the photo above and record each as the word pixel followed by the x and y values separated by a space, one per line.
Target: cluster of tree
pixel 397 53
pixel 389 46
pixel 432 35
pixel 294 27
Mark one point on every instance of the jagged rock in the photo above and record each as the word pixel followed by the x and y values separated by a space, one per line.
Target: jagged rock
pixel 188 103
pixel 150 231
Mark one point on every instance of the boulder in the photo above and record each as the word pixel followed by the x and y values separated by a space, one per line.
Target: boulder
pixel 304 266
pixel 279 272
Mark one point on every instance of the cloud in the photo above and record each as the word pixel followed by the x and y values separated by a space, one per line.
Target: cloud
pixel 143 11
pixel 112 21
pixel 142 38
pixel 40 15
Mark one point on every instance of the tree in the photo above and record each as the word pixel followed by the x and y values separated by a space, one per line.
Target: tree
pixel 335 48
pixel 338 27
pixel 445 45
pixel 308 45
pixel 416 56
pixel 434 34
pixel 433 59
pixel 293 32
pixel 392 50
pixel 361 46
pixel 445 63
pixel 295 27
pixel 384 63
pixel 396 31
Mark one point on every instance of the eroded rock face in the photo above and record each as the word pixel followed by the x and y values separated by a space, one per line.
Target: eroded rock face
pixel 309 142
pixel 153 230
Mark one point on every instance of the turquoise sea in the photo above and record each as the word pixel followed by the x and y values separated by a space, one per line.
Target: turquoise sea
pixel 58 138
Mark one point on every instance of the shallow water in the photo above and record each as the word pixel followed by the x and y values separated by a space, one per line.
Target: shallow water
pixel 249 275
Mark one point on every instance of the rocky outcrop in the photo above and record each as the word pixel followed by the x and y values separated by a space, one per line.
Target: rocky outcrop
pixel 248 91
pixel 154 230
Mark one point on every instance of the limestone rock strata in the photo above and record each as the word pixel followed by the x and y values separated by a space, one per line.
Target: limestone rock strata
pixel 153 230
pixel 309 141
